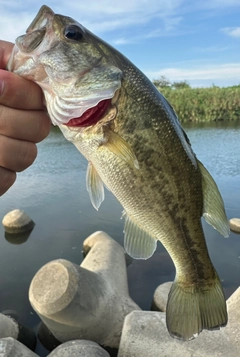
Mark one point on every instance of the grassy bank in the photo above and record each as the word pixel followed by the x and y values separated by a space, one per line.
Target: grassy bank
pixel 204 104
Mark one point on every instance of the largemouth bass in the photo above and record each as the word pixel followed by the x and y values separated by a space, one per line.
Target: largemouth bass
pixel 136 147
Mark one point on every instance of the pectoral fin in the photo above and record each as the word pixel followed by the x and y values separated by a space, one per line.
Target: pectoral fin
pixel 121 148
pixel 95 186
pixel 137 243
pixel 213 209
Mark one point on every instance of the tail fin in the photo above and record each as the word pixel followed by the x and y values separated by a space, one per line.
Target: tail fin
pixel 191 309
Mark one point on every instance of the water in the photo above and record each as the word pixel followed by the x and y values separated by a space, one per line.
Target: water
pixel 217 145
pixel 53 193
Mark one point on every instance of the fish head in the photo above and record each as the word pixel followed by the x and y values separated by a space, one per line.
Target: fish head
pixel 70 65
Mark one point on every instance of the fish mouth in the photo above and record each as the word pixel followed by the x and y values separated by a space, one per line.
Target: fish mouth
pixel 92 115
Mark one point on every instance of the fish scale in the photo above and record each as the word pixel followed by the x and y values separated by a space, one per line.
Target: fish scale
pixel 138 150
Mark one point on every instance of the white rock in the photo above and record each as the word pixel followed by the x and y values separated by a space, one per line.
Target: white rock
pixel 235 225
pixel 145 335
pixel 79 348
pixel 232 330
pixel 9 347
pixel 17 221
pixel 160 296
pixel 8 327
pixel 85 302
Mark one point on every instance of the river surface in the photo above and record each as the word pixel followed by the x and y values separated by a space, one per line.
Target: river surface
pixel 53 192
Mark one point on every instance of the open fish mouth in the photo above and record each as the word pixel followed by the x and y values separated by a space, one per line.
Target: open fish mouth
pixel 92 115
pixel 78 87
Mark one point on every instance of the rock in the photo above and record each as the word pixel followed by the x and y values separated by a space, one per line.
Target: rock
pixel 27 337
pixel 46 337
pixel 10 328
pixel 145 335
pixel 17 221
pixel 11 313
pixel 232 329
pixel 235 225
pixel 9 347
pixel 88 301
pixel 79 348
pixel 160 297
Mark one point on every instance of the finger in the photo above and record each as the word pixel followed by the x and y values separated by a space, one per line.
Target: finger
pixel 18 92
pixel 5 52
pixel 7 179
pixel 16 155
pixel 26 125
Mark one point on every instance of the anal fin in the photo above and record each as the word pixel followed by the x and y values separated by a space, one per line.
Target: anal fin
pixel 137 243
pixel 95 186
pixel 213 209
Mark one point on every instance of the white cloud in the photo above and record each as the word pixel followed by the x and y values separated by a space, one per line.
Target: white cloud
pixel 15 17
pixel 226 72
pixel 131 21
pixel 220 3
pixel 11 27
pixel 232 31
pixel 213 49
pixel 100 16
pixel 134 8
pixel 123 41
pixel 164 31
pixel 190 5
pixel 106 16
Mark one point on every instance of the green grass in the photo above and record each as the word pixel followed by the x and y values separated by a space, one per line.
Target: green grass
pixel 204 104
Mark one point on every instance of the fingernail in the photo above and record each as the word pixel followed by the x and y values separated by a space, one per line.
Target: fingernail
pixel 1 86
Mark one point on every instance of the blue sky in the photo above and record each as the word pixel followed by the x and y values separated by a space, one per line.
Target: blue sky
pixel 193 40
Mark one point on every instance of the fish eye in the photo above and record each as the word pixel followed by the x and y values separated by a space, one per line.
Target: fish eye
pixel 73 32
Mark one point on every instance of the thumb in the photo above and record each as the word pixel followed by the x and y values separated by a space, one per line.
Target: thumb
pixel 5 52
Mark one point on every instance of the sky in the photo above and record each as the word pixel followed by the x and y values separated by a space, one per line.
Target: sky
pixel 193 40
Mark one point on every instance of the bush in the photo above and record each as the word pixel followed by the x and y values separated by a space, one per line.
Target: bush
pixel 203 104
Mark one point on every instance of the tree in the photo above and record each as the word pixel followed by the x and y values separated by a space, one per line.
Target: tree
pixel 181 85
pixel 162 82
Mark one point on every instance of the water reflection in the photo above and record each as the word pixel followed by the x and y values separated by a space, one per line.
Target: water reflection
pixel 19 238
pixel 217 145
pixel 53 192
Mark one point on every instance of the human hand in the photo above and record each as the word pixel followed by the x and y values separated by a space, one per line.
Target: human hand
pixel 23 121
